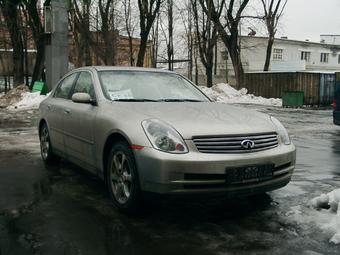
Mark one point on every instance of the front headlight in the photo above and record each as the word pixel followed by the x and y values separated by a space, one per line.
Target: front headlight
pixel 281 131
pixel 163 137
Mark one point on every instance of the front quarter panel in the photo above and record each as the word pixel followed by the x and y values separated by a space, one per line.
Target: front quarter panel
pixel 111 119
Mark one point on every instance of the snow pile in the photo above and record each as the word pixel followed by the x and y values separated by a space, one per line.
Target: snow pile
pixel 331 203
pixel 326 215
pixel 28 101
pixel 21 98
pixel 224 93
pixel 13 96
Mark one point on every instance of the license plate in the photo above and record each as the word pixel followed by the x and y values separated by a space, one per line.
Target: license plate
pixel 249 174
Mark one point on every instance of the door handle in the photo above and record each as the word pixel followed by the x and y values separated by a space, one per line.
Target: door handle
pixel 67 111
pixel 49 107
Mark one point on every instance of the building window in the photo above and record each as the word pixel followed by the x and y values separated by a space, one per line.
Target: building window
pixel 277 54
pixel 305 55
pixel 324 57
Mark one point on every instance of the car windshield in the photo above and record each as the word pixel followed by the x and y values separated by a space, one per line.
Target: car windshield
pixel 138 86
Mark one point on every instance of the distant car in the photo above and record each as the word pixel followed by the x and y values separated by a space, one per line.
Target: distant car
pixel 336 108
pixel 148 130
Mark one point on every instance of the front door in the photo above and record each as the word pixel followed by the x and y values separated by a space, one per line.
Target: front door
pixel 79 123
pixel 56 112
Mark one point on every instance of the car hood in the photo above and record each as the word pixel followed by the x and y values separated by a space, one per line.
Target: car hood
pixel 201 119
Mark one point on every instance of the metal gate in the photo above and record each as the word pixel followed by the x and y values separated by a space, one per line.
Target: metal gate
pixel 327 88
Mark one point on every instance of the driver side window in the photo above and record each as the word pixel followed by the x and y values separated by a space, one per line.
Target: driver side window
pixel 64 89
pixel 84 84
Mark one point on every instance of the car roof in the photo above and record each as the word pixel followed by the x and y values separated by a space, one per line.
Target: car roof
pixel 123 68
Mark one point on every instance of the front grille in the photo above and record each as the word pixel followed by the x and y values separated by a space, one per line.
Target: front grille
pixel 232 143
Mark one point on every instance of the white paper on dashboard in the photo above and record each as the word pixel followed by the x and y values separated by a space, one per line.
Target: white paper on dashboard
pixel 122 94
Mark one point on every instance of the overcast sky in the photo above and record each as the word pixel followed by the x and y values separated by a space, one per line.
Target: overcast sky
pixel 307 19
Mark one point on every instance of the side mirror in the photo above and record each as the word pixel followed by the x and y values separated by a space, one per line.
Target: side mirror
pixel 83 98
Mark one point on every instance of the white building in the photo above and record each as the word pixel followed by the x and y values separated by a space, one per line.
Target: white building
pixel 287 55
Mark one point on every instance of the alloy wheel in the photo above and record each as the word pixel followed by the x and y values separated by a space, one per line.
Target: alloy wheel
pixel 44 142
pixel 120 177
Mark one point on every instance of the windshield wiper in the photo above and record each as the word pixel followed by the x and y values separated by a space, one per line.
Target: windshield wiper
pixel 179 100
pixel 134 100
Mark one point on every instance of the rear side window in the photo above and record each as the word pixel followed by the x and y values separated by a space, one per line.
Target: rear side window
pixel 64 89
pixel 84 84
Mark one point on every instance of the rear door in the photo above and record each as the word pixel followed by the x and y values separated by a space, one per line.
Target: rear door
pixel 55 112
pixel 79 123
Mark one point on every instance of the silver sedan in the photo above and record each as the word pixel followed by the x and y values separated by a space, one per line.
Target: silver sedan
pixel 147 130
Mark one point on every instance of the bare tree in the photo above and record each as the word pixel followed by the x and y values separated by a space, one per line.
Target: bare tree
pixel 206 35
pixel 108 33
pixel 229 30
pixel 186 19
pixel 167 28
pixel 80 20
pixel 130 27
pixel 155 41
pixel 170 43
pixel 10 11
pixel 148 10
pixel 273 10
pixel 189 41
pixel 37 29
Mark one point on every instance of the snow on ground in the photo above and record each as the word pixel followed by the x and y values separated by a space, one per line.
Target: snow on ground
pixel 28 101
pixel 20 98
pixel 224 93
pixel 331 203
pixel 324 212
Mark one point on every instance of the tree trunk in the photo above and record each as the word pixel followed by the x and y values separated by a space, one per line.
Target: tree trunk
pixel 196 69
pixel 88 60
pixel 131 51
pixel 190 58
pixel 231 42
pixel 109 51
pixel 142 50
pixel 148 11
pixel 190 42
pixel 209 75
pixel 39 40
pixel 269 53
pixel 215 59
pixel 10 12
pixel 238 69
pixel 39 60
pixel 170 31
pixel 108 33
pixel 85 37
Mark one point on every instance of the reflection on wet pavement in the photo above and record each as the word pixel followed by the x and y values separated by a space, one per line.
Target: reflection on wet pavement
pixel 64 210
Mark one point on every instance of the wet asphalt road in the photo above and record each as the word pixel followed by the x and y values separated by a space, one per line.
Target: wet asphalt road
pixel 64 210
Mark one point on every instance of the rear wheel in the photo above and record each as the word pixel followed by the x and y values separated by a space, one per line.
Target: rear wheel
pixel 122 178
pixel 45 146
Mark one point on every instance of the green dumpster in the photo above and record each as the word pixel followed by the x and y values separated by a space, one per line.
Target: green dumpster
pixel 40 86
pixel 292 98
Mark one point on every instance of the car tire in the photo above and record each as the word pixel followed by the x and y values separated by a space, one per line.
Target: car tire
pixel 45 146
pixel 122 179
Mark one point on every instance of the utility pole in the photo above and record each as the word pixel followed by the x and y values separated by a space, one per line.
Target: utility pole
pixel 56 29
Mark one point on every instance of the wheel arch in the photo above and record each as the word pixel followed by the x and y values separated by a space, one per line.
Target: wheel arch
pixel 41 123
pixel 113 138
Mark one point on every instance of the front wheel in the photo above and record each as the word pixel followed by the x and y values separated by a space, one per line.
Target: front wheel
pixel 45 146
pixel 122 178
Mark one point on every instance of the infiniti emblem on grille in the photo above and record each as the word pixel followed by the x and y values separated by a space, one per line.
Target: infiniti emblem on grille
pixel 247 144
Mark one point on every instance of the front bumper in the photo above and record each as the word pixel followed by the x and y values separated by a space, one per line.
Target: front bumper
pixel 203 173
